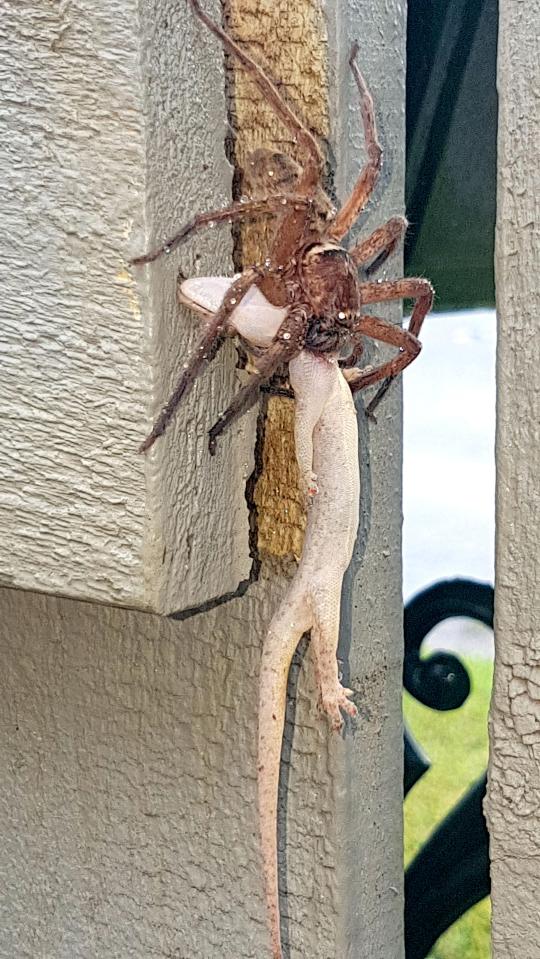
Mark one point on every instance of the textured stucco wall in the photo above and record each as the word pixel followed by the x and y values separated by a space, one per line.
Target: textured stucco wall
pixel 513 805
pixel 127 793
pixel 370 795
pixel 111 112
pixel 127 786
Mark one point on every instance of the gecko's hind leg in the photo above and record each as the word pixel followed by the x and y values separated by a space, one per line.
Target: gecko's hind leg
pixel 326 602
pixel 289 623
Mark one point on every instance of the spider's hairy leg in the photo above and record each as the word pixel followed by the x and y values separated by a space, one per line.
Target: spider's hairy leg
pixel 377 247
pixel 365 184
pixel 206 350
pixel 314 160
pixel 417 289
pixel 276 203
pixel 408 288
pixel 280 352
pixel 378 329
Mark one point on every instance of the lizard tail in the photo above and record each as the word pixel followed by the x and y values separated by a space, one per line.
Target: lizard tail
pixel 286 629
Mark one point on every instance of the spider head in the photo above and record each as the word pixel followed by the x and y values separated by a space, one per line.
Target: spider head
pixel 330 286
pixel 329 280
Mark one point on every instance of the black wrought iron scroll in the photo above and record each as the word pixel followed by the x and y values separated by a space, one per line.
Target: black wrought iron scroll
pixel 451 872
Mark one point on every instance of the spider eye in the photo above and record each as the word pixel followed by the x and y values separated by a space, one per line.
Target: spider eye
pixel 326 250
pixel 333 253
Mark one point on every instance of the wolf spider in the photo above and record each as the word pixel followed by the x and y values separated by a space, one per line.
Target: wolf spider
pixel 308 273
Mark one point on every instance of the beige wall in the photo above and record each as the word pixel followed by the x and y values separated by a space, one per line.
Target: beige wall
pixel 115 133
pixel 513 805
pixel 127 763
pixel 127 788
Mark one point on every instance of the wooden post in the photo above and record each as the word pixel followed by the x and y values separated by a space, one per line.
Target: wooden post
pixel 129 767
pixel 514 771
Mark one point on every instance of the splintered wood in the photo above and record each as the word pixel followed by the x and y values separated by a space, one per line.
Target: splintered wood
pixel 297 62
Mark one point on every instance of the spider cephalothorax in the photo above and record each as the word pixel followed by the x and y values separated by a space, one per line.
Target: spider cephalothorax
pixel 308 273
pixel 330 285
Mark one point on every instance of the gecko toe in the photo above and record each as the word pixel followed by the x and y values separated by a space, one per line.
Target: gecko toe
pixel 337 725
pixel 330 705
pixel 336 701
pixel 350 709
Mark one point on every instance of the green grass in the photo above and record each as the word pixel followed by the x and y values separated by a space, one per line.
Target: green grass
pixel 456 742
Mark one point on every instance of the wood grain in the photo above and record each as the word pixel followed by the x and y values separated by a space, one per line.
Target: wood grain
pixel 297 59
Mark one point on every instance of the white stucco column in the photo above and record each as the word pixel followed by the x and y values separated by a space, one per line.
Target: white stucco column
pixel 513 804
pixel 116 121
pixel 128 754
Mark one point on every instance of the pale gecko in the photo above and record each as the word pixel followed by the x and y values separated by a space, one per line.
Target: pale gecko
pixel 326 441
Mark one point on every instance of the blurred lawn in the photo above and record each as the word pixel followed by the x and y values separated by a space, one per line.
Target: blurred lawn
pixel 456 742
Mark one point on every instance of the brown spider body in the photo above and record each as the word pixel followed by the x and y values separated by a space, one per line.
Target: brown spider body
pixel 321 285
pixel 330 285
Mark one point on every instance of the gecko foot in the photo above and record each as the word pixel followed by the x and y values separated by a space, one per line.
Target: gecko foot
pixel 333 703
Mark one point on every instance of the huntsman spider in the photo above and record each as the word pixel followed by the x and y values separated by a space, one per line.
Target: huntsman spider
pixel 303 308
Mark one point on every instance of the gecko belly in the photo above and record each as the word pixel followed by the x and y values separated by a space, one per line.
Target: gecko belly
pixel 255 319
pixel 333 514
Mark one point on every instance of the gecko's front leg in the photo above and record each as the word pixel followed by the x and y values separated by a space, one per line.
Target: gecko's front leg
pixel 334 698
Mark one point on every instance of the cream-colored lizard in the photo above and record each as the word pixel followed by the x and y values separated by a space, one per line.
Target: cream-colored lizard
pixel 327 446
pixel 327 452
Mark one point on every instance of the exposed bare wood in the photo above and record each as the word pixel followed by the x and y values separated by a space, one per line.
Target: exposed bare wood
pixel 297 58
